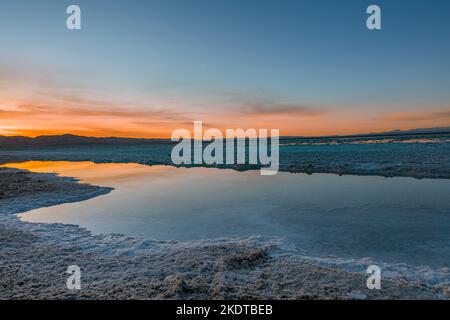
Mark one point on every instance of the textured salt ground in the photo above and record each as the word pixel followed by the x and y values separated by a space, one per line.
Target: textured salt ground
pixel 34 259
pixel 417 160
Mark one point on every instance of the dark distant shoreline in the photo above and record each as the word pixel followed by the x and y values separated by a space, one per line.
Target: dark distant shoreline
pixel 75 140
pixel 370 135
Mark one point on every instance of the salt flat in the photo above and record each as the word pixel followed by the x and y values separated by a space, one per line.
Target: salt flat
pixel 34 257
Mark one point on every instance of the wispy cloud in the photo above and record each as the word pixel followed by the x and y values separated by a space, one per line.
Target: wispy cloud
pixel 280 109
pixel 93 117
pixel 418 116
pixel 87 110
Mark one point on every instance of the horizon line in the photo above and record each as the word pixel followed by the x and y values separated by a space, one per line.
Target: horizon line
pixel 385 133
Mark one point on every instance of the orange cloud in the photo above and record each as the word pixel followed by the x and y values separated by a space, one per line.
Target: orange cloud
pixel 83 117
pixel 61 114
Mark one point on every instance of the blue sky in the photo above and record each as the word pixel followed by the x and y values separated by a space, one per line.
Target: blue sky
pixel 198 56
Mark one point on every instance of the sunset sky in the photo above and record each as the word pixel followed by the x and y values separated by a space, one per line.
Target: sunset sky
pixel 145 68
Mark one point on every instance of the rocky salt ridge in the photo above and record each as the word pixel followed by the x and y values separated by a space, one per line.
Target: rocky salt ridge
pixel 34 258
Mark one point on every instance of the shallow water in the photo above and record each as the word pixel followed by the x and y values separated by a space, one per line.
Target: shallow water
pixel 391 220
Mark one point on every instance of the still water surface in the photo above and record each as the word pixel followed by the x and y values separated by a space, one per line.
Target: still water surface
pixel 393 220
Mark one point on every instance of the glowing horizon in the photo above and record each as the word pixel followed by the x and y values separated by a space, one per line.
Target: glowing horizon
pixel 106 119
pixel 140 124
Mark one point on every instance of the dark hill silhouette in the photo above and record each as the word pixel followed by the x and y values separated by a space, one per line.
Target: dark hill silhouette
pixel 74 140
pixel 71 140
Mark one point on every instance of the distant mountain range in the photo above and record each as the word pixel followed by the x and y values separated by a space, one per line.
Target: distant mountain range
pixel 73 140
pixel 398 132
pixel 416 131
